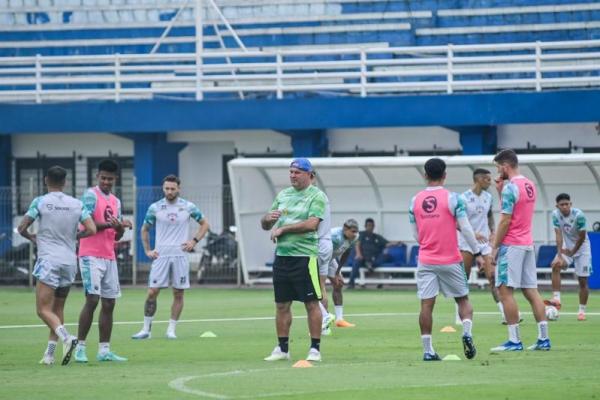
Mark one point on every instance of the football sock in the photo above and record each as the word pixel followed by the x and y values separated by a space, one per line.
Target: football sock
pixel 284 343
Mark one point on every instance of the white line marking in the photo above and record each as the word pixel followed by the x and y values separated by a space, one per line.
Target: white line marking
pixel 179 384
pixel 241 319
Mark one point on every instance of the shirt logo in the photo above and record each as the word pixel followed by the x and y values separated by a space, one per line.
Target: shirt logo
pixel 529 190
pixel 429 204
pixel 172 217
pixel 108 213
pixel 49 207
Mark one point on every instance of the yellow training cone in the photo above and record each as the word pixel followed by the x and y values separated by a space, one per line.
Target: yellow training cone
pixel 448 329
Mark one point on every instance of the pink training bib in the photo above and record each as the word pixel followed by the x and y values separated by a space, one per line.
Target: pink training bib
pixel 436 225
pixel 519 230
pixel 102 244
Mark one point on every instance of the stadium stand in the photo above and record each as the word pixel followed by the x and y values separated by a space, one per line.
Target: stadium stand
pixel 352 33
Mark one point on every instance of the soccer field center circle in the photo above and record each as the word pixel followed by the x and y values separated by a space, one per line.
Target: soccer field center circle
pixel 194 384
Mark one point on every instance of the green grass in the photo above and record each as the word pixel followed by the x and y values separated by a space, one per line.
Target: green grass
pixel 379 359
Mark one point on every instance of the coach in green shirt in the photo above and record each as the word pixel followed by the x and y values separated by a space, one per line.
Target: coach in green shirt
pixel 293 220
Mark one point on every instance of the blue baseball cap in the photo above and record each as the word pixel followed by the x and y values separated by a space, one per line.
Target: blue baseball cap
pixel 302 164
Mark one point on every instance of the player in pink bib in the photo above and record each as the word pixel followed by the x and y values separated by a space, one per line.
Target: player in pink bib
pixel 434 214
pixel 97 262
pixel 513 248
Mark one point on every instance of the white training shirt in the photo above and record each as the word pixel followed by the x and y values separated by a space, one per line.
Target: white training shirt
pixel 570 226
pixel 478 208
pixel 172 222
pixel 59 216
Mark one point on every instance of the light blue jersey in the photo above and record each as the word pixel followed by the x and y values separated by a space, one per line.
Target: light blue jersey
pixel 172 222
pixel 570 226
pixel 340 243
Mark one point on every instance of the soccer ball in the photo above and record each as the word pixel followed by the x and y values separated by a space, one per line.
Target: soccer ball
pixel 551 313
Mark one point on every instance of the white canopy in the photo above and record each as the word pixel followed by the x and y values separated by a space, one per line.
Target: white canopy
pixel 381 188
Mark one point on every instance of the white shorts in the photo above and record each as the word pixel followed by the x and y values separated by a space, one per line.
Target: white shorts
pixel 325 256
pixel 173 270
pixel 582 263
pixel 484 248
pixel 54 275
pixel 450 279
pixel 516 267
pixel 333 267
pixel 100 276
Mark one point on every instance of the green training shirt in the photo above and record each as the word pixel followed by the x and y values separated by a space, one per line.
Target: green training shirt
pixel 297 206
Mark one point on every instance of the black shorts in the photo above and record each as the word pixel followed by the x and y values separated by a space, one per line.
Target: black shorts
pixel 296 278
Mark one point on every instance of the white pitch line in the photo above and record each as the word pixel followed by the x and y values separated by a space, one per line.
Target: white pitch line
pixel 179 384
pixel 242 319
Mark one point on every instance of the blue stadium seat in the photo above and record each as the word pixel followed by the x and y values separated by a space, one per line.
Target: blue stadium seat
pixel 414 253
pixel 397 255
pixel 546 254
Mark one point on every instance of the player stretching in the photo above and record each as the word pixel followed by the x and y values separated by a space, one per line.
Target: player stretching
pixel 513 247
pixel 343 240
pixel 171 217
pixel 434 214
pixel 573 247
pixel 98 263
pixel 479 212
pixel 56 265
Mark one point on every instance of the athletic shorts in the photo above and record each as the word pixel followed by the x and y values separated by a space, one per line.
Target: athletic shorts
pixel 170 270
pixel 516 267
pixel 450 279
pixel 54 275
pixel 484 248
pixel 325 256
pixel 296 278
pixel 333 267
pixel 100 277
pixel 582 263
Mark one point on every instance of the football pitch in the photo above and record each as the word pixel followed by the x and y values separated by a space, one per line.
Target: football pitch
pixel 378 359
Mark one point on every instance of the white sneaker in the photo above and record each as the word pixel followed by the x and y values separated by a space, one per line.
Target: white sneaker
pixel 142 335
pixel 171 335
pixel 326 332
pixel 313 355
pixel 68 348
pixel 277 355
pixel 47 360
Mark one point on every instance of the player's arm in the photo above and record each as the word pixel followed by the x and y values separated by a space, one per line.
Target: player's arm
pixel 502 229
pixel 89 228
pixel 509 198
pixel 580 224
pixel 309 225
pixel 149 222
pixel 558 260
pixel 145 235
pixel 203 228
pixel 23 228
pixel 32 213
pixel 343 259
pixel 89 204
pixel 491 225
pixel 270 219
pixel 580 240
pixel 413 222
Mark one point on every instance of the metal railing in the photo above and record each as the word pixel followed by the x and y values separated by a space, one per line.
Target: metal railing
pixel 214 260
pixel 346 71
